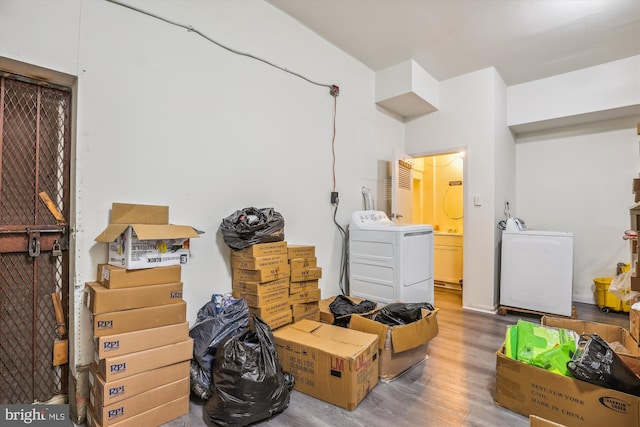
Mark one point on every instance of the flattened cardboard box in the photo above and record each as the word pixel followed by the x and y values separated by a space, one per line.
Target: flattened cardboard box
pixel 107 393
pixel 301 251
pixel 263 249
pixel 131 342
pixel 334 364
pixel 268 298
pixel 261 275
pixel 140 236
pixel 118 322
pixel 117 367
pixel 102 300
pixel 154 417
pixel 529 390
pixel 258 288
pixel 113 277
pixel 254 263
pixel 401 347
pixel 127 408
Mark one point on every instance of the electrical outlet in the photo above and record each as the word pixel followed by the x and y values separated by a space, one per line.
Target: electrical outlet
pixel 334 197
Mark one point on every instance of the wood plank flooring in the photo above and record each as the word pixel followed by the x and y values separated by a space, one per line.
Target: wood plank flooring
pixel 455 386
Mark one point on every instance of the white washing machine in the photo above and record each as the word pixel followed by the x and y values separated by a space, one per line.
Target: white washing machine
pixel 389 262
pixel 536 269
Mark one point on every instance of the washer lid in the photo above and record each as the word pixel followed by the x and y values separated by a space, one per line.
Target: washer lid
pixel 530 232
pixel 378 220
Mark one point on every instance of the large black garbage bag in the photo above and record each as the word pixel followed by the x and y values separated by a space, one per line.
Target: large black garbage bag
pixel 595 362
pixel 249 384
pixel 342 307
pixel 208 333
pixel 250 226
pixel 400 313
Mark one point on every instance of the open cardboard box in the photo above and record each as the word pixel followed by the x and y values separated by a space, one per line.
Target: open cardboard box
pixel 401 347
pixel 140 236
pixel 529 390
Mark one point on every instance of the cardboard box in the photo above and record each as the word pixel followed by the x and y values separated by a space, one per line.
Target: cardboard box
pixel 258 288
pixel 529 390
pixel 301 251
pixel 102 300
pixel 276 320
pixel 154 417
pixel 131 342
pixel 261 275
pixel 117 367
pixel 300 263
pixel 306 274
pixel 541 422
pixel 270 310
pixel 634 323
pixel 305 307
pixel 401 347
pixel 334 364
pixel 263 249
pixel 255 263
pixel 113 277
pixel 310 315
pixel 326 316
pixel 118 322
pixel 296 287
pixel 268 298
pixel 106 393
pixel 127 408
pixel 140 236
pixel 306 296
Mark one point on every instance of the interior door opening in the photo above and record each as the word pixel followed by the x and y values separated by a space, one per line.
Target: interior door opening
pixel 437 198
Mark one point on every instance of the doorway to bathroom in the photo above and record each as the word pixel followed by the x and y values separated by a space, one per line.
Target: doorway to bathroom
pixel 438 199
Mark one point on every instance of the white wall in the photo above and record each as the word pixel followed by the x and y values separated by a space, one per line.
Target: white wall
pixel 467 120
pixel 600 89
pixel 579 179
pixel 165 117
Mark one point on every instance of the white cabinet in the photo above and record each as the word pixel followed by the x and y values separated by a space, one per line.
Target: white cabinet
pixel 447 258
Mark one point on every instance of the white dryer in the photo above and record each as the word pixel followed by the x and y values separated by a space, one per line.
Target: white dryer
pixel 536 269
pixel 389 262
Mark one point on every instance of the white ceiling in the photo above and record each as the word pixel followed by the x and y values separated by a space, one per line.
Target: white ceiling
pixel 524 39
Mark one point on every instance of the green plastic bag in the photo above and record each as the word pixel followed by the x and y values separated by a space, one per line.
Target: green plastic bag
pixel 543 346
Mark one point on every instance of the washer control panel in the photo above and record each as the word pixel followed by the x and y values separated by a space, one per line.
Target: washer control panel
pixel 369 218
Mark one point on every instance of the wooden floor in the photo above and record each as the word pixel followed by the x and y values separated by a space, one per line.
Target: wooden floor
pixel 455 386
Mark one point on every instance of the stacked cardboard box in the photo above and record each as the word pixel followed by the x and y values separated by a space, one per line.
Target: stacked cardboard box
pixel 140 371
pixel 304 290
pixel 261 276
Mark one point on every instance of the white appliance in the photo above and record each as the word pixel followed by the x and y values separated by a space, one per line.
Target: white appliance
pixel 536 269
pixel 389 262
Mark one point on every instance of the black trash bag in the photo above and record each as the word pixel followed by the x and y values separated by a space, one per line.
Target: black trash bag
pixel 342 307
pixel 249 384
pixel 595 362
pixel 250 226
pixel 400 313
pixel 208 334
